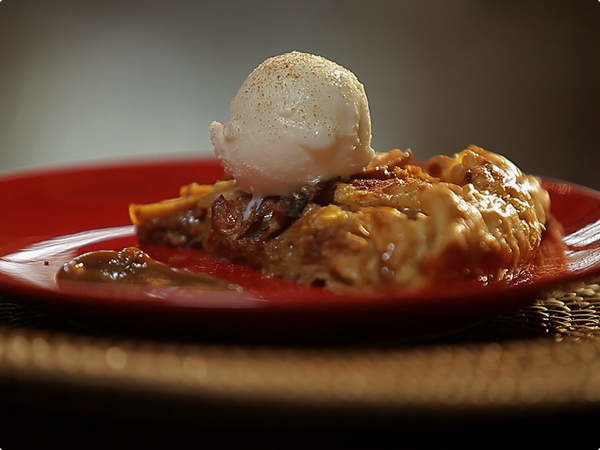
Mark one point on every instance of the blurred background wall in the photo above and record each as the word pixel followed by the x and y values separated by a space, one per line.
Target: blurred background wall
pixel 103 80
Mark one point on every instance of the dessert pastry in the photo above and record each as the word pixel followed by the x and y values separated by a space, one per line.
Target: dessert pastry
pixel 307 198
pixel 474 215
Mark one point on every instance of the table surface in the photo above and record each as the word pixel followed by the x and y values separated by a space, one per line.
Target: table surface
pixel 524 367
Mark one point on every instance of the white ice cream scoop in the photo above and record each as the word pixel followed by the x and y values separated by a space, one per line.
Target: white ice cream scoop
pixel 297 119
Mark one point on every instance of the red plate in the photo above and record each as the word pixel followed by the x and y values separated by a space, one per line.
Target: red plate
pixel 51 216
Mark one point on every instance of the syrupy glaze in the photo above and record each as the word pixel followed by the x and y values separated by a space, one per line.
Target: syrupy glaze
pixel 473 216
pixel 132 265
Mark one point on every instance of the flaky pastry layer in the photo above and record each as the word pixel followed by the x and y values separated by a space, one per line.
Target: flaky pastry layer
pixel 473 215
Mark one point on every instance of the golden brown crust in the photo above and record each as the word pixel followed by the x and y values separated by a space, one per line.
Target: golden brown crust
pixel 474 215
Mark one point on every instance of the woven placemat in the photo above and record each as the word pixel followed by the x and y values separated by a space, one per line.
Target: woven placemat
pixel 569 312
pixel 544 355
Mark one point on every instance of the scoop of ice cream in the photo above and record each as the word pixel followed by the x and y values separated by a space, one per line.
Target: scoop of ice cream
pixel 297 119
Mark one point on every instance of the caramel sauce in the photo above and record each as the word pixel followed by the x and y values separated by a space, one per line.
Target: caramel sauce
pixel 133 266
